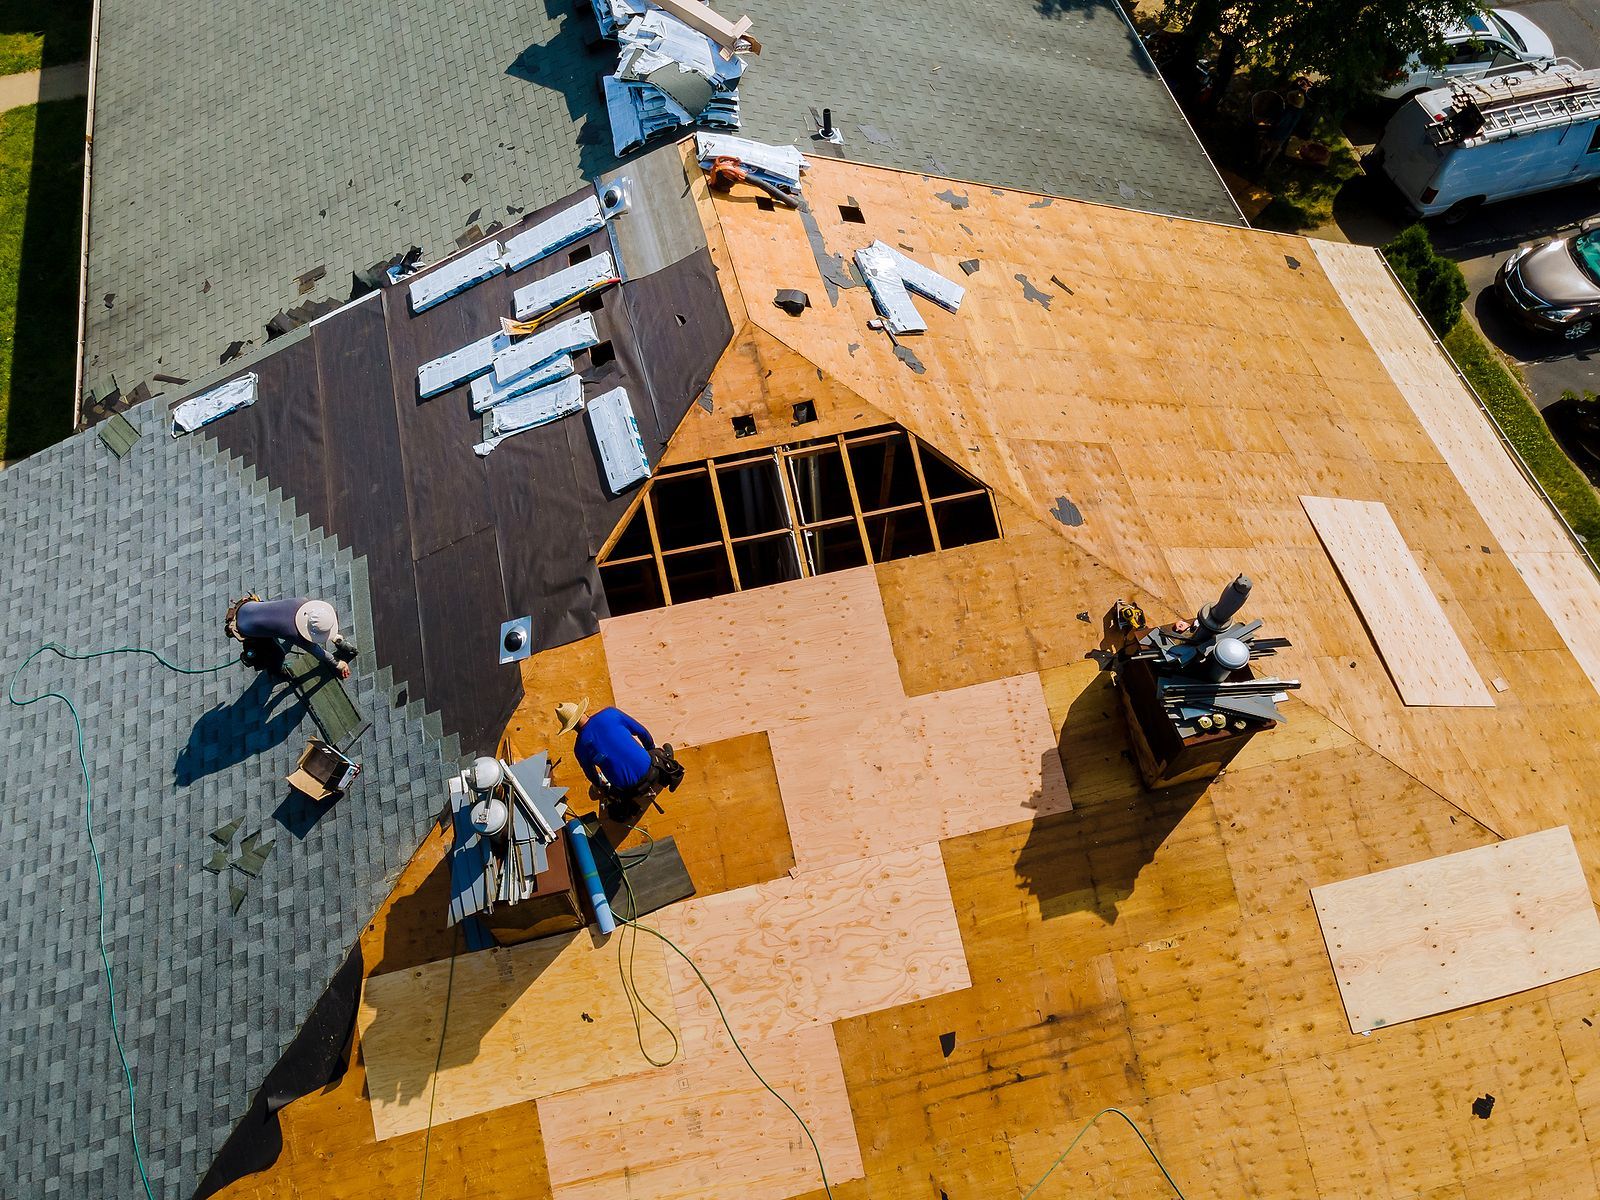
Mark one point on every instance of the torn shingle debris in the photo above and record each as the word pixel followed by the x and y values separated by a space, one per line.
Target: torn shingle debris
pixel 1032 293
pixel 670 73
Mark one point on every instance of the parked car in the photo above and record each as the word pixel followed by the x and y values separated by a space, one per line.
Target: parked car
pixel 1490 42
pixel 1453 149
pixel 1555 287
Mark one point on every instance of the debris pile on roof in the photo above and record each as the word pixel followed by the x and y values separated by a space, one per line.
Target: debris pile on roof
pixel 672 72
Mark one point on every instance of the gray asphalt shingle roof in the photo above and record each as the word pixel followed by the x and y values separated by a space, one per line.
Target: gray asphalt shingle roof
pixel 238 147
pixel 150 549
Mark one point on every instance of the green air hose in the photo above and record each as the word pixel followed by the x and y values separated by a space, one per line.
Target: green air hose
pixel 94 850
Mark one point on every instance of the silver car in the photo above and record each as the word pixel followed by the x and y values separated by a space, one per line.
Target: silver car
pixel 1555 287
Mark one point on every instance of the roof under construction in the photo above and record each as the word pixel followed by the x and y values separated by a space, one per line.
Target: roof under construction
pixel 331 141
pixel 933 899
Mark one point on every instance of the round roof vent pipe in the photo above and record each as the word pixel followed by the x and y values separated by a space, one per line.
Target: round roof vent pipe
pixel 1214 618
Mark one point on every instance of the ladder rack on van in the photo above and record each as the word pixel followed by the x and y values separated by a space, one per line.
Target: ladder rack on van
pixel 1506 107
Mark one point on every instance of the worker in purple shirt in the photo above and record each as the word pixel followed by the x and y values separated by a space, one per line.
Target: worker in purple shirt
pixel 620 757
pixel 310 624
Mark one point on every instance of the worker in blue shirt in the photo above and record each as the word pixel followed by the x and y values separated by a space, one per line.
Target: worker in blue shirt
pixel 619 757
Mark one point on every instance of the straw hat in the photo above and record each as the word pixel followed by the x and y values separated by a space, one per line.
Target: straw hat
pixel 317 622
pixel 569 714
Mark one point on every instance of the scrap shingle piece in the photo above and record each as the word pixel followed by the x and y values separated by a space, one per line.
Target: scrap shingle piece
pixel 453 369
pixel 544 294
pixel 565 338
pixel 457 276
pixel 119 434
pixel 223 834
pixel 551 234
pixel 616 432
pixel 253 855
pixel 891 277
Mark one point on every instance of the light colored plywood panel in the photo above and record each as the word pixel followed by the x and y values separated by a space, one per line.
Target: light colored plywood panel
pixel 859 783
pixel 523 1022
pixel 1424 655
pixel 829 944
pixel 705 1127
pixel 715 669
pixel 1436 935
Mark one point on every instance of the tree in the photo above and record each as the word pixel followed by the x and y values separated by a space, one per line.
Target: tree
pixel 1435 283
pixel 1346 45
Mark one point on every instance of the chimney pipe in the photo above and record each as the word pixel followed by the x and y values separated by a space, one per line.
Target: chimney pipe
pixel 1214 618
pixel 827 123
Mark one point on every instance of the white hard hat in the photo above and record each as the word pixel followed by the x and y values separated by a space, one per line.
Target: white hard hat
pixel 489 816
pixel 487 773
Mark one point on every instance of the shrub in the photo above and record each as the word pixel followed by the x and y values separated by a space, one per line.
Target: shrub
pixel 1435 283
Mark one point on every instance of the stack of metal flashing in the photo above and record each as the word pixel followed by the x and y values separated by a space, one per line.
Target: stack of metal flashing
pixel 504 816
pixel 669 75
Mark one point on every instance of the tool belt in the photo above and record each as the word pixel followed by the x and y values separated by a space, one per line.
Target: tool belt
pixel 231 622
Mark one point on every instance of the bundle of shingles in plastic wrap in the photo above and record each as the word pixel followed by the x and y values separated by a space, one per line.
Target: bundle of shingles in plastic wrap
pixel 678 64
pixel 521 375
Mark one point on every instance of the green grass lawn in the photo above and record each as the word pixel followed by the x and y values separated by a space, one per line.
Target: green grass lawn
pixel 43 33
pixel 1526 430
pixel 41 198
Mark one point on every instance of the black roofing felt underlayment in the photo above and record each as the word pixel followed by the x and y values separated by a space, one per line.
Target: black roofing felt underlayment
pixel 457 544
pixel 337 135
pixel 149 549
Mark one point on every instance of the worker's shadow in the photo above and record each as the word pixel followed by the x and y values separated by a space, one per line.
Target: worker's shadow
pixel 1090 859
pixel 230 733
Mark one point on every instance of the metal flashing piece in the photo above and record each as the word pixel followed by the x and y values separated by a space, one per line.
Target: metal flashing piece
pixel 551 234
pixel 616 433
pixel 565 338
pixel 488 392
pixel 457 367
pixel 199 411
pixel 542 295
pixel 456 276
pixel 516 640
pixel 891 277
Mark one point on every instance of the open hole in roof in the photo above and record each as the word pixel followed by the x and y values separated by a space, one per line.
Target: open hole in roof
pixel 852 214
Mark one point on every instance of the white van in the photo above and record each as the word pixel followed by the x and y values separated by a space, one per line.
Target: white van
pixel 1453 149
pixel 1490 42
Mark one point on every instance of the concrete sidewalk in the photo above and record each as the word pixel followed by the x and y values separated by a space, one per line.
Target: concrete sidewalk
pixel 52 83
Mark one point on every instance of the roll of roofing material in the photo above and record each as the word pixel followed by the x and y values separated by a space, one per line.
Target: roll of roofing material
pixel 578 839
